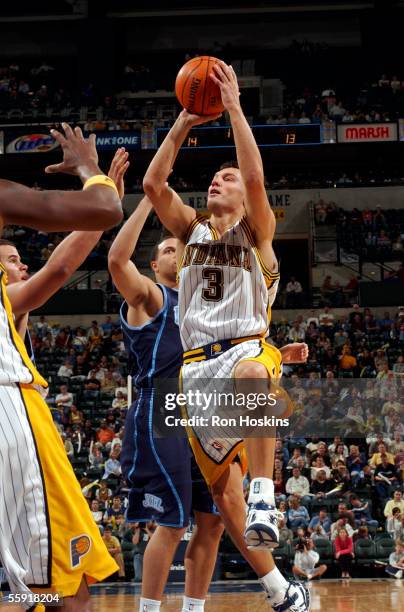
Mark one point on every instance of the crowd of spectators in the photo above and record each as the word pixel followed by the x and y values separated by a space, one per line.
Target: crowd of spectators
pixel 373 234
pixel 380 100
pixel 352 385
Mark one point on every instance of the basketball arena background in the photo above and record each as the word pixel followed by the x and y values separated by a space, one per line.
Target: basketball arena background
pixel 322 84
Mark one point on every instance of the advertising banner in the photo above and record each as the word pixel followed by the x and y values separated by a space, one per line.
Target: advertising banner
pixel 40 140
pixel 367 132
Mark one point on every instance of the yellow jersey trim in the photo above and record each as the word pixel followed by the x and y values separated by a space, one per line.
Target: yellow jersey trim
pixel 16 338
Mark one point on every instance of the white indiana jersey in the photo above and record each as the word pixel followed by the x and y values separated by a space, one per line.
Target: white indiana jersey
pixel 225 290
pixel 15 365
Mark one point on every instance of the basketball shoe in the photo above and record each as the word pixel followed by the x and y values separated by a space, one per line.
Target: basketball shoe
pixel 296 598
pixel 262 526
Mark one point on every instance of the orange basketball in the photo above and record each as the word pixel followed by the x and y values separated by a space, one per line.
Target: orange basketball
pixel 195 91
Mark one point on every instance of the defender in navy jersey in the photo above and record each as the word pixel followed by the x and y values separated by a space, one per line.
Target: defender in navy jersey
pixel 164 483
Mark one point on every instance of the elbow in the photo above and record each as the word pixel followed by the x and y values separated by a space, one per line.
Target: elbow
pixel 151 187
pixel 114 260
pixel 113 215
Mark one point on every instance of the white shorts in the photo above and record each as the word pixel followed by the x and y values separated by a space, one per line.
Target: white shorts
pixel 215 447
pixel 24 541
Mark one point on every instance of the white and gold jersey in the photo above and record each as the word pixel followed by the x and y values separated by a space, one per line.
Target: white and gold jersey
pixel 225 290
pixel 15 365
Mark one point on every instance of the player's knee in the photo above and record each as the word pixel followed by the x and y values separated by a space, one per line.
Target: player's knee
pixel 250 369
pixel 173 534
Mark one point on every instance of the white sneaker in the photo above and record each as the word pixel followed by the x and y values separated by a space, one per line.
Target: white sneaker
pixel 295 599
pixel 399 575
pixel 262 526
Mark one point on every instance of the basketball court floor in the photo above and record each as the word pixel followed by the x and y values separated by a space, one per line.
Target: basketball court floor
pixel 379 595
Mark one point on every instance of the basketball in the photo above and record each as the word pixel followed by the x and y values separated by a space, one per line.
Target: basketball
pixel 194 88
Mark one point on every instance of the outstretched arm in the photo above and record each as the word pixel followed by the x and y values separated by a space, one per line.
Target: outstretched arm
pixel 138 290
pixel 96 208
pixel 171 210
pixel 259 213
pixel 64 261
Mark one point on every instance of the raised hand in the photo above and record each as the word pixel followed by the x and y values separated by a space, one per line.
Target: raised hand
pixel 225 78
pixel 194 120
pixel 297 352
pixel 118 168
pixel 80 156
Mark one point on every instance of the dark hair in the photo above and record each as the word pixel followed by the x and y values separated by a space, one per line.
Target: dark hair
pixel 4 242
pixel 155 250
pixel 230 164
pixel 396 510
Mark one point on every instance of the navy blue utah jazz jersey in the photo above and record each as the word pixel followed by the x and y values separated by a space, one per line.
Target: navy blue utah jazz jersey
pixel 154 349
pixel 157 470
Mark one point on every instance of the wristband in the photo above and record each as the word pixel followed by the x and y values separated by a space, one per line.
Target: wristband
pixel 100 179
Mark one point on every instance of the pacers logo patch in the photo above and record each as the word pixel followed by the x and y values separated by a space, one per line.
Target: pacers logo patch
pixel 79 547
pixel 216 349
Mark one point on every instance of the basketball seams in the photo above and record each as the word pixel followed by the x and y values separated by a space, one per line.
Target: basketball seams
pixel 205 86
pixel 187 81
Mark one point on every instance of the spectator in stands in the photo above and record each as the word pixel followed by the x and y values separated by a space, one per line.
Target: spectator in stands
pixel 114 548
pixel 68 446
pixel 105 434
pixel 395 502
pixel 319 465
pixel 395 567
pixel 361 512
pixel 347 362
pixel 103 494
pixel 306 559
pixel 95 456
pixel 139 540
pixel 386 478
pixel 355 463
pixel 65 370
pixel 108 384
pixel 296 333
pixel 92 386
pixel 115 514
pixel 294 293
pixel 331 292
pixel 113 465
pixel 298 515
pixel 394 525
pixel 323 520
pixel 298 486
pixel 64 398
pixel 97 513
pixel 344 552
pixel 279 485
pixel 285 534
pixel 376 458
pixel 321 485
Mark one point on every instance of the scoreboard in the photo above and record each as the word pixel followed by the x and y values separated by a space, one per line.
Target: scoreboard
pixel 265 136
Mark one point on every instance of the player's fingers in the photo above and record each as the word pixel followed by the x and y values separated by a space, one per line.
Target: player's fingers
pixel 92 140
pixel 68 131
pixel 53 169
pixel 58 137
pixel 218 71
pixel 122 169
pixel 78 132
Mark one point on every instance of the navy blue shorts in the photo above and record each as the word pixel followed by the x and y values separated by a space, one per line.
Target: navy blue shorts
pixel 164 480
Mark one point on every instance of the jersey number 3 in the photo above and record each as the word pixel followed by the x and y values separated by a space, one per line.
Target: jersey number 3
pixel 214 291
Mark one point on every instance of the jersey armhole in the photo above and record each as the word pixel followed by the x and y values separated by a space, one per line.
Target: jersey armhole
pixel 123 313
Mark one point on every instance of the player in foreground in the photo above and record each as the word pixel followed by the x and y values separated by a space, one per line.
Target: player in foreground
pixel 49 542
pixel 164 485
pixel 228 279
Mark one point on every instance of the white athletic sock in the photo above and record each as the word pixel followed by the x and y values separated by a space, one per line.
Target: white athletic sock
pixel 149 605
pixel 273 582
pixel 193 605
pixel 262 489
